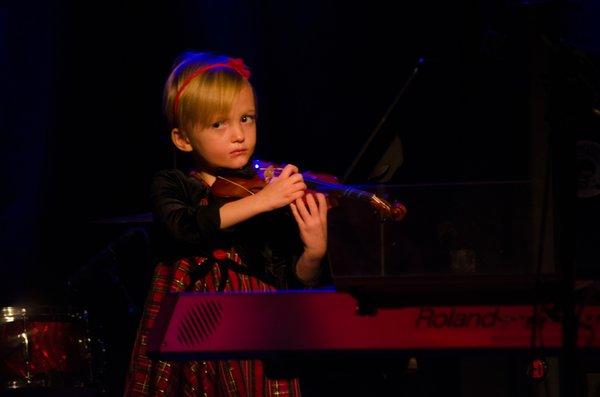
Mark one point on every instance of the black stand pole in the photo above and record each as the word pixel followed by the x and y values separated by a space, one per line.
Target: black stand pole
pixel 563 157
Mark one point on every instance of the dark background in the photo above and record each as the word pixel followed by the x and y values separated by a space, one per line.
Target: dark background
pixel 83 132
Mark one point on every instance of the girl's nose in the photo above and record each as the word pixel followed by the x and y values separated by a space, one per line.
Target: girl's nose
pixel 237 133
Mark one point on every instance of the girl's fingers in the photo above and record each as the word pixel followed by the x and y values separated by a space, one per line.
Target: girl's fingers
pixel 322 207
pixel 295 178
pixel 300 186
pixel 296 214
pixel 302 209
pixel 299 194
pixel 312 204
pixel 288 170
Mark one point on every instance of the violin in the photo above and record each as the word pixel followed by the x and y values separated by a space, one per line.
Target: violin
pixel 231 188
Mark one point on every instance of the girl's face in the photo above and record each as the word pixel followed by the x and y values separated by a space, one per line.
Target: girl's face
pixel 229 141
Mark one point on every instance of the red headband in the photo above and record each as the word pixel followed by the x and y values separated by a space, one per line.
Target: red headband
pixel 235 64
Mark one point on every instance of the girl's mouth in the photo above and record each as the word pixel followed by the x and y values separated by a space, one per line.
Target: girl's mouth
pixel 238 152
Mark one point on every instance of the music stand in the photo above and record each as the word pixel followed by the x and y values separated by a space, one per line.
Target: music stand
pixel 381 154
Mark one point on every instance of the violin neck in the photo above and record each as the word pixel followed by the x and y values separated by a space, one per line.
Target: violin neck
pixel 341 190
pixel 395 211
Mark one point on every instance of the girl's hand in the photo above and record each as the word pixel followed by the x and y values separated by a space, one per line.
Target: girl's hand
pixel 283 190
pixel 312 222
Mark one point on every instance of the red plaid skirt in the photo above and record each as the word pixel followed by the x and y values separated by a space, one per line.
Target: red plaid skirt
pixel 244 378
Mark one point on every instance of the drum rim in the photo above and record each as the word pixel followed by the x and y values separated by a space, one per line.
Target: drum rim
pixel 45 382
pixel 41 313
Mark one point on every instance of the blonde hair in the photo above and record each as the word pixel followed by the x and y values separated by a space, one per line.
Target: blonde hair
pixel 205 98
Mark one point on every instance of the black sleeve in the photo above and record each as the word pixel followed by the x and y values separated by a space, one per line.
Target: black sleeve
pixel 175 203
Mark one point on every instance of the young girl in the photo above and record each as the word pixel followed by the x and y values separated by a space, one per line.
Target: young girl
pixel 273 239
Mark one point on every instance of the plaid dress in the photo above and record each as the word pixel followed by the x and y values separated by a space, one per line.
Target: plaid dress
pixel 223 271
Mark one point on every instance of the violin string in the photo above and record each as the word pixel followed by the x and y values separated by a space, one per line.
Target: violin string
pixel 236 184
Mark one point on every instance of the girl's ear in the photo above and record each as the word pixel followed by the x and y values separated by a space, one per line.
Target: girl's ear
pixel 180 140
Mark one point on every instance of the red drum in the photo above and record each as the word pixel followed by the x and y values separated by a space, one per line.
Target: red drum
pixel 44 347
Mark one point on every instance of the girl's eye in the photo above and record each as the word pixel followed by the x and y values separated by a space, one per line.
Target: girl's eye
pixel 248 118
pixel 218 124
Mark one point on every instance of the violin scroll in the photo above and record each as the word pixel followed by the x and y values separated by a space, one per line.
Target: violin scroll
pixel 398 211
